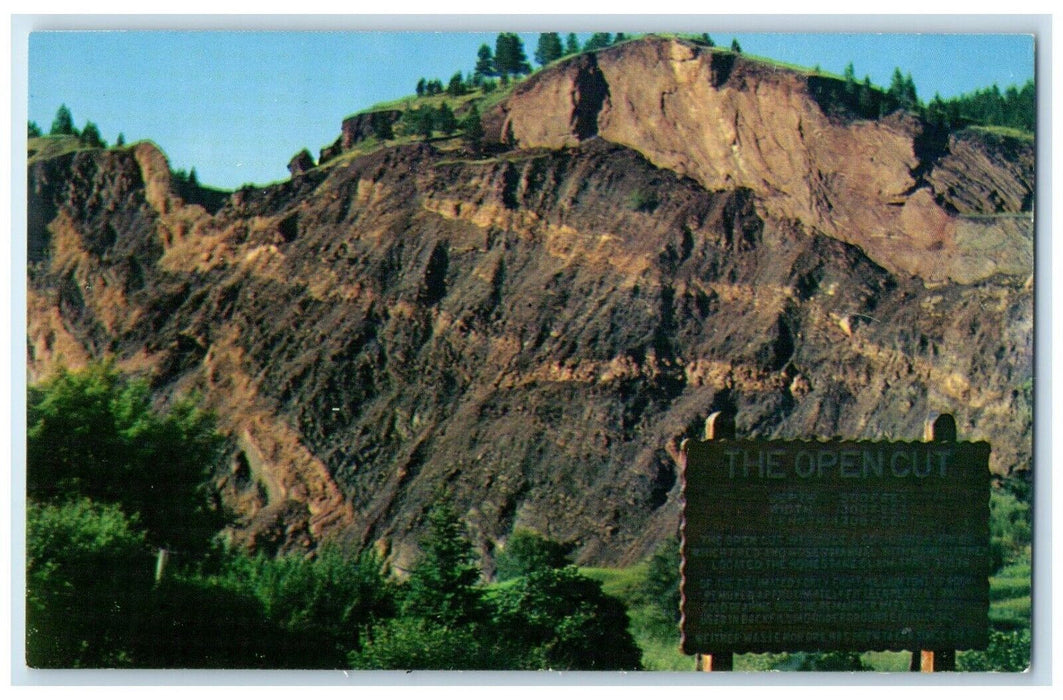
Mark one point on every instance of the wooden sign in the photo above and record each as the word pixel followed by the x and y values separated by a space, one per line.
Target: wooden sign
pixel 806 546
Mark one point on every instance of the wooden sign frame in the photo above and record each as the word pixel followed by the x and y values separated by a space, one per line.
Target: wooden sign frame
pixel 832 545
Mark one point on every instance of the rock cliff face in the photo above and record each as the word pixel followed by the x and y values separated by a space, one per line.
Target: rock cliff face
pixel 531 335
pixel 888 186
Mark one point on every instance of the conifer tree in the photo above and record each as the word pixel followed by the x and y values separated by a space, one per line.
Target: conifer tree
pixel 442 586
pixel 32 130
pixel 510 58
pixel 485 62
pixel 456 86
pixel 63 124
pixel 571 44
pixel 120 141
pixel 850 79
pixel 444 119
pixel 598 40
pixel 472 130
pixel 549 48
pixel 735 46
pixel 421 87
pixel 90 136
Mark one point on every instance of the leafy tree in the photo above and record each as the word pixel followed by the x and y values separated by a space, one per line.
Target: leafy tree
pixel 63 124
pixel 32 130
pixel 549 48
pixel 90 136
pixel 598 40
pixel 563 620
pixel 485 62
pixel 527 552
pixel 442 585
pixel 88 577
pixel 571 44
pixel 735 46
pixel 95 434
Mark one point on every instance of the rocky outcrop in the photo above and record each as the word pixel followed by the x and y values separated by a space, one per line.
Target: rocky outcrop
pixel 364 125
pixel 358 128
pixel 300 163
pixel 728 121
pixel 532 334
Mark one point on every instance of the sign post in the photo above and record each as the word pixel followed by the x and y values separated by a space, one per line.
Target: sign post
pixel 800 545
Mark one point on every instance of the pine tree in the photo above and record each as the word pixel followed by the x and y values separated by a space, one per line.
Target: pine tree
pixel 90 136
pixel 456 86
pixel 425 122
pixel 120 141
pixel 420 87
pixel 707 39
pixel 620 36
pixel 571 44
pixel 32 130
pixel 598 40
pixel 910 98
pixel 442 586
pixel 63 124
pixel 472 129
pixel 381 126
pixel 850 79
pixel 444 119
pixel 549 48
pixel 896 89
pixel 510 58
pixel 735 46
pixel 485 63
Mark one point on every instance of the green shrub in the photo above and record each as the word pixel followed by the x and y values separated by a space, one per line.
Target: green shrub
pixel 563 620
pixel 1007 651
pixel 329 597
pixel 526 552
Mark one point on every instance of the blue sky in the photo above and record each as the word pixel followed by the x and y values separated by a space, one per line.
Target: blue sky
pixel 237 105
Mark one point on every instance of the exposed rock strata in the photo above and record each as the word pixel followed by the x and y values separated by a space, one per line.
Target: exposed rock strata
pixel 533 334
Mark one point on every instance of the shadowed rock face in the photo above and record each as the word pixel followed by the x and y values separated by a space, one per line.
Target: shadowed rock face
pixel 532 335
